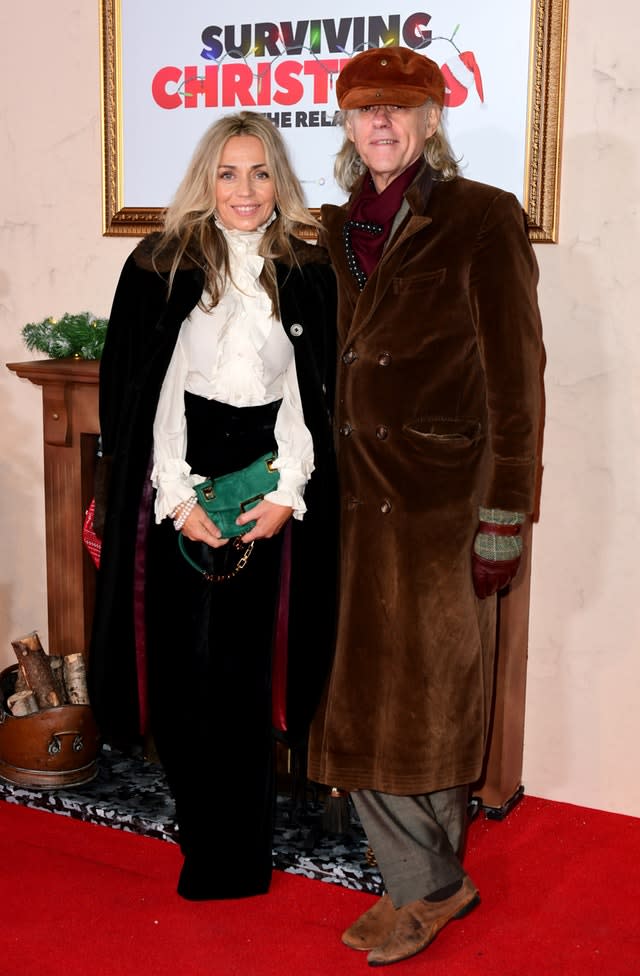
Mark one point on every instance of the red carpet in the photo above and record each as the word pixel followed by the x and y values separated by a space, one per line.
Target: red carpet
pixel 559 885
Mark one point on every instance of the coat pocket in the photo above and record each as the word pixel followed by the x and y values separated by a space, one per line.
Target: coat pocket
pixel 408 284
pixel 444 453
pixel 456 431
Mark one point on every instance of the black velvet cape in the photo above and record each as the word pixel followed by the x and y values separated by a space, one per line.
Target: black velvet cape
pixel 142 332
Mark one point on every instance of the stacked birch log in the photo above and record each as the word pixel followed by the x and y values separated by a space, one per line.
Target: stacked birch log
pixel 45 681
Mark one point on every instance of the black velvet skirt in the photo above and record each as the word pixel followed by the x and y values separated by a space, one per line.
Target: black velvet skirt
pixel 209 658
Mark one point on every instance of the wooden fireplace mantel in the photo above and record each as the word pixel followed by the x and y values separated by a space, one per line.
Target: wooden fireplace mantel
pixel 70 428
pixel 71 425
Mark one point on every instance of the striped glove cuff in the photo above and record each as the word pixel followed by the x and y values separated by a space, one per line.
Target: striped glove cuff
pixel 498 536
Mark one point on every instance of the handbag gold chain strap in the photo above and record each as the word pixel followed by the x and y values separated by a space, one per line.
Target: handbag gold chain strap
pixel 221 577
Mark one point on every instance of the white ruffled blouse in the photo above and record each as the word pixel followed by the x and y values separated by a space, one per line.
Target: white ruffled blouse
pixel 239 354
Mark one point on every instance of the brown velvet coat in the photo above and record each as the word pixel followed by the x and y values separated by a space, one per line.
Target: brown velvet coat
pixel 438 411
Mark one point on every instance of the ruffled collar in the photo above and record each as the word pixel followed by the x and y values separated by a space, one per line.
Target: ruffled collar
pixel 246 239
pixel 245 264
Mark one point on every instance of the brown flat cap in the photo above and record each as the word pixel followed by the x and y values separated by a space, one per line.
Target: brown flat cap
pixel 389 76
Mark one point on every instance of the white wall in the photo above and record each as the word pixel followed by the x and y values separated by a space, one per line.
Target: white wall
pixel 583 709
pixel 53 258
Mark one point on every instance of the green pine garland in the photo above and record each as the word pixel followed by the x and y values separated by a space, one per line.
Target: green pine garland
pixel 81 335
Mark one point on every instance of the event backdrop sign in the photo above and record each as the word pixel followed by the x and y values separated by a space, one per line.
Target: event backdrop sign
pixel 170 70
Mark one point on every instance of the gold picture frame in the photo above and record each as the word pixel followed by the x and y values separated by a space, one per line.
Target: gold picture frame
pixel 543 125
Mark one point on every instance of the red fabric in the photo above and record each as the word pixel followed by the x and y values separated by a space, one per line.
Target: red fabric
pixel 139 583
pixel 494 528
pixel 281 640
pixel 92 542
pixel 558 883
pixel 371 207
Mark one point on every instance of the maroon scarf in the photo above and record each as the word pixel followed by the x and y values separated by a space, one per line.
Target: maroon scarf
pixel 371 216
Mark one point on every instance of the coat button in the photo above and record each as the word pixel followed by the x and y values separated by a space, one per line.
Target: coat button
pixel 384 359
pixel 296 329
pixel 382 432
pixel 386 507
pixel 349 357
pixel 346 429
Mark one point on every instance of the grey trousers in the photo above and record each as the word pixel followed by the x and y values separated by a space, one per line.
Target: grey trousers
pixel 417 840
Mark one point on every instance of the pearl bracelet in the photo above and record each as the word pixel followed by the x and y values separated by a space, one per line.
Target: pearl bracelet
pixel 185 511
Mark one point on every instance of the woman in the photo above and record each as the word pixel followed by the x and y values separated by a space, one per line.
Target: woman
pixel 220 347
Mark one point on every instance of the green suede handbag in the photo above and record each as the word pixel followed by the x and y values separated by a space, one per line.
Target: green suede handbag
pixel 227 497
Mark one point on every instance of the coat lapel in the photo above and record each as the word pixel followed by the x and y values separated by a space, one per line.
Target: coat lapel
pixel 392 260
pixel 358 306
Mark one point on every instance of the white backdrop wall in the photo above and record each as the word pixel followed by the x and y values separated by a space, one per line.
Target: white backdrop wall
pixel 583 717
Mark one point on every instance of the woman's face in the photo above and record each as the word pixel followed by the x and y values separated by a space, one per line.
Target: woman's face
pixel 245 193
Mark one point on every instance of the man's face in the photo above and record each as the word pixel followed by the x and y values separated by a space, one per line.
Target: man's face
pixel 389 138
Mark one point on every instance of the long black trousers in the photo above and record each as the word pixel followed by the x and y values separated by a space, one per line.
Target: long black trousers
pixel 209 651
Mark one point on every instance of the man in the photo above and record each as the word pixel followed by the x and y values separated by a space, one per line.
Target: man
pixel 438 414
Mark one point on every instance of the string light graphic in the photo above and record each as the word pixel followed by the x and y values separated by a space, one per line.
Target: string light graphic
pixel 462 73
pixel 315 36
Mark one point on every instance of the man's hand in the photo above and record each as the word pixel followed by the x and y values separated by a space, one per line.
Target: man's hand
pixel 497 549
pixel 489 576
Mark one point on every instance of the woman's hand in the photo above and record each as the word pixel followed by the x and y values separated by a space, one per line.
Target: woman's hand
pixel 270 519
pixel 199 528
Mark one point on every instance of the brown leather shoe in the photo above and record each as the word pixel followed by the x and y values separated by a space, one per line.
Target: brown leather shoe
pixel 418 923
pixel 372 928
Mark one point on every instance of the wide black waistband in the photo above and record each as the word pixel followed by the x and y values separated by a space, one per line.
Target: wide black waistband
pixel 222 438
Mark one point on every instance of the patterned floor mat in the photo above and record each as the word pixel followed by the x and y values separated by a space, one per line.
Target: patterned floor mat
pixel 131 794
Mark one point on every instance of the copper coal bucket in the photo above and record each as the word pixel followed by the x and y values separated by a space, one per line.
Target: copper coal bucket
pixel 51 748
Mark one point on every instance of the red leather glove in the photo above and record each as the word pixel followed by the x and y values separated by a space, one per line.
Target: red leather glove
pixel 491 575
pixel 497 550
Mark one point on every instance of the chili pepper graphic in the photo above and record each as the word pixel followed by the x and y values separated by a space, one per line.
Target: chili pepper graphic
pixel 468 58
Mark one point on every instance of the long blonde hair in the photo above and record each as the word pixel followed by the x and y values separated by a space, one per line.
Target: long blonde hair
pixel 348 167
pixel 189 229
